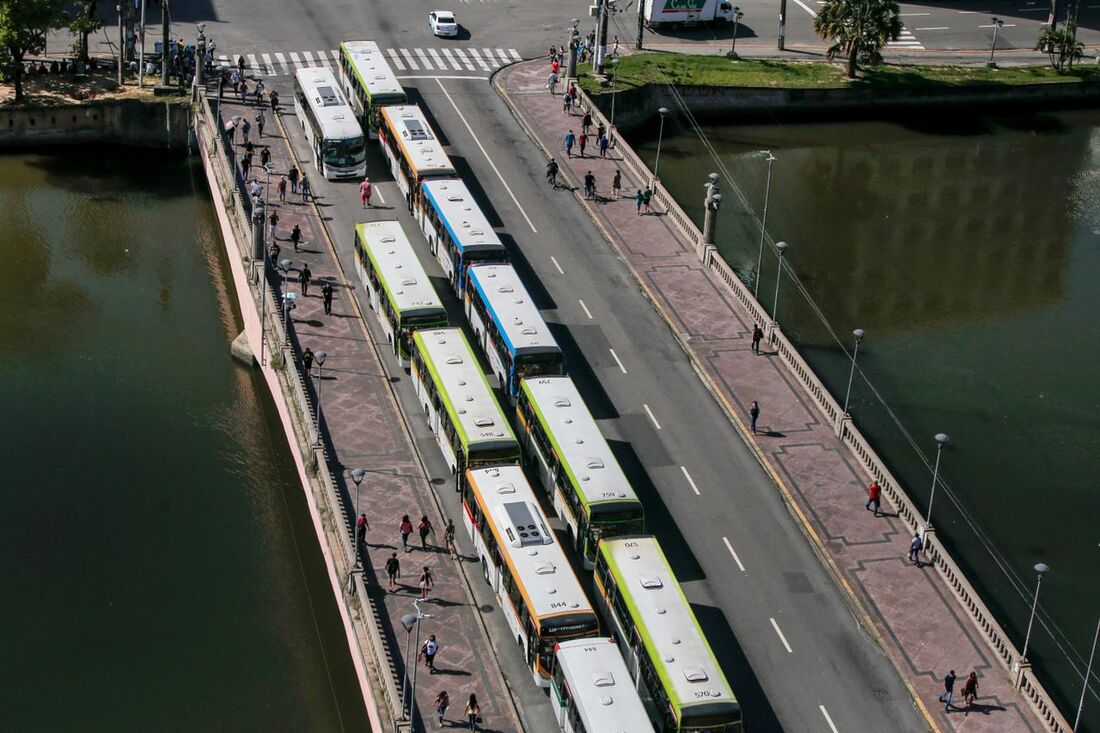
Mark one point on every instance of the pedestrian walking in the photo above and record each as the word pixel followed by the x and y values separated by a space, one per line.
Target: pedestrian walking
pixel 914 549
pixel 568 141
pixel 555 66
pixel 249 147
pixel 307 361
pixel 293 175
pixel 601 145
pixel 274 97
pixel 327 291
pixel 240 65
pixel 406 530
pixel 425 583
pixel 265 157
pixel 425 528
pixel 306 191
pixel 552 172
pixel 260 121
pixel 647 198
pixel 246 166
pixel 600 130
pixel 948 690
pixel 617 184
pixel 582 141
pixel 273 252
pixel 365 190
pixel 442 702
pixel 246 127
pixel 473 712
pixel 639 199
pixel 393 571
pixel 428 651
pixel 235 81
pixel 572 94
pixel 361 527
pixel 243 91
pixel 304 277
pixel 552 82
pixel 296 236
pixel 449 538
pixel 586 121
pixel 589 185
pixel 970 691
pixel 259 93
pixel 273 221
pixel 754 415
pixel 757 334
pixel 566 103
pixel 874 497
pixel 281 188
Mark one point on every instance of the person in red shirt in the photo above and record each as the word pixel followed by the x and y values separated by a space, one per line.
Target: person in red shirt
pixel 874 494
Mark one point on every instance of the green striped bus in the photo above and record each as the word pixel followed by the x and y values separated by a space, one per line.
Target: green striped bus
pixel 681 683
pixel 401 295
pixel 590 492
pixel 368 82
pixel 462 410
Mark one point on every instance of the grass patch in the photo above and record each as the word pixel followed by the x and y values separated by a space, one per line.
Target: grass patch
pixel 639 69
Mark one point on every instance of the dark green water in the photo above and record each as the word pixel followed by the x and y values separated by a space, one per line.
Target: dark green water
pixel 159 567
pixel 970 255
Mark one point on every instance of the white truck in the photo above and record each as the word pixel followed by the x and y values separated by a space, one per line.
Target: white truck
pixel 667 12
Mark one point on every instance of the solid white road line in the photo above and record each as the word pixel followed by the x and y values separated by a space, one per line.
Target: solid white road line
pixel 1031 10
pixel 483 152
pixel 781 637
pixel 736 559
pixel 409 60
pixel 1006 25
pixel 617 361
pixel 586 311
pixel 937 28
pixel 477 58
pixel 828 719
pixel 650 413
pixel 396 60
pixel 910 15
pixel 555 261
pixel 444 76
pixel 806 7
pixel 690 481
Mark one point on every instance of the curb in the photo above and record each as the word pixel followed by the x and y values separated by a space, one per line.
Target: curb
pixel 863 617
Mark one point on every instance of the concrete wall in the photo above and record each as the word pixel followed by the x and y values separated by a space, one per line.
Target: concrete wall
pixel 153 123
pixel 636 107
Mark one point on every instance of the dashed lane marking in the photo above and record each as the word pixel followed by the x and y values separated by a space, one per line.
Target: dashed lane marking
pixel 651 417
pixel 781 637
pixel 690 481
pixel 736 559
pixel 617 361
pixel 555 261
pixel 586 311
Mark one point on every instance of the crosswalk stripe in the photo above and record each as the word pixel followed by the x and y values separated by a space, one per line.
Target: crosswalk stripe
pixel 323 58
pixel 490 58
pixel 308 56
pixel 503 56
pixel 224 59
pixel 335 55
pixel 281 59
pixel 423 58
pixel 478 59
pixel 451 59
pixel 409 59
pixel 437 59
pixel 465 60
pixel 269 69
pixel 253 63
pixel 396 60
pixel 295 59
pixel 515 54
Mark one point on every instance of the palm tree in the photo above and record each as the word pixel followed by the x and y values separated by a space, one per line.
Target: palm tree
pixel 858 28
pixel 1061 46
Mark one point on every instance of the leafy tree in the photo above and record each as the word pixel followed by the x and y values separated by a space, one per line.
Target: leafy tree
pixel 23 28
pixel 858 28
pixel 84 24
pixel 1061 46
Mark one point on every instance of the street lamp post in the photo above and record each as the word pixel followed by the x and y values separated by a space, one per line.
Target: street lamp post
pixel 320 357
pixel 1040 568
pixel 737 16
pixel 611 81
pixel 409 621
pixel 780 248
pixel 660 136
pixel 574 40
pixel 357 476
pixel 200 53
pixel 763 226
pixel 141 51
pixel 288 306
pixel 1088 673
pixel 284 267
pixel 858 333
pixel 941 441
pixel 121 46
pixel 997 23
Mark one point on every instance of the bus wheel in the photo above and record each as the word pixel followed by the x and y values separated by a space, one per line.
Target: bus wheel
pixel 485 571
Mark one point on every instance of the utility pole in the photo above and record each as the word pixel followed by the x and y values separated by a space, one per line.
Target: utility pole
pixel 783 23
pixel 1052 19
pixel 164 50
pixel 141 53
pixel 121 45
pixel 641 23
pixel 601 39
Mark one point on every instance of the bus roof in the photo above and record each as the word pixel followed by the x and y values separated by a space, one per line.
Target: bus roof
pixel 473 408
pixel 577 440
pixel 372 70
pixel 673 640
pixel 417 138
pixel 333 113
pixel 400 272
pixel 510 306
pixel 468 227
pixel 526 540
pixel 602 686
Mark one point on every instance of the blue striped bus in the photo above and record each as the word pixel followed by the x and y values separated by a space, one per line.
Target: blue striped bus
pixel 458 233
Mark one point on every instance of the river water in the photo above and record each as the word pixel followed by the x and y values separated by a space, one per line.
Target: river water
pixel 970 255
pixel 159 566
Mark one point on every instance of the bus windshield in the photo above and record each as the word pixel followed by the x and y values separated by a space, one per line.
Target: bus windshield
pixel 609 524
pixel 345 153
pixel 536 364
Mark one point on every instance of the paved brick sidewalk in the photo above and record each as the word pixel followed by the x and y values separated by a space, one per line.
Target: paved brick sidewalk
pixel 912 610
pixel 365 430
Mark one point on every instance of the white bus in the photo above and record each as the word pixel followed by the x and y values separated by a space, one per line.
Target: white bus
pixel 329 123
pixel 412 149
pixel 459 234
pixel 665 650
pixel 592 691
pixel 368 82
pixel 401 295
pixel 575 464
pixel 509 327
pixel 525 565
pixel 462 411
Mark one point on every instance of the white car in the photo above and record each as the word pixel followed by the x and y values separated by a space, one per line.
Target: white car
pixel 443 23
